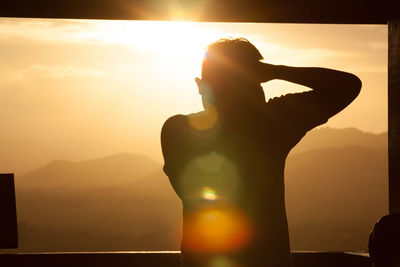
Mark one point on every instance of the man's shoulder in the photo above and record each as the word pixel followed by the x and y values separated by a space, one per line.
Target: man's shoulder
pixel 174 124
pixel 176 119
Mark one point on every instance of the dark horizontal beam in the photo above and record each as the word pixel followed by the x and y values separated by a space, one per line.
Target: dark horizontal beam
pixel 169 259
pixel 277 11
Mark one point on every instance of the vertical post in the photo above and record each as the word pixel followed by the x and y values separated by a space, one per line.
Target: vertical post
pixel 394 115
pixel 8 213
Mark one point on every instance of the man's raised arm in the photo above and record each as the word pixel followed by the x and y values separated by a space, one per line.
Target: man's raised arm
pixel 332 90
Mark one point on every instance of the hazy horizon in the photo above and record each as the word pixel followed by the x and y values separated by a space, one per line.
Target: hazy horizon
pixel 297 149
pixel 125 201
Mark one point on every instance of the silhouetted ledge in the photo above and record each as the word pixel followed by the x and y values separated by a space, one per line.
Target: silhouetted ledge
pixel 162 258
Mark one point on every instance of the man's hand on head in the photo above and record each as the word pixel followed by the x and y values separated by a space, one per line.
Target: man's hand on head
pixel 267 72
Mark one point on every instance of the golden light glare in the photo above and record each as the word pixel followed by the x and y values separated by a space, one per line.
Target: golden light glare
pixel 210 162
pixel 222 229
pixel 204 120
pixel 187 40
pixel 209 194
pixel 186 10
pixel 172 51
pixel 221 261
pixel 208 175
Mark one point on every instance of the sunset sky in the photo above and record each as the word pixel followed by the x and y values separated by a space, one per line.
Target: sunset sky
pixel 78 89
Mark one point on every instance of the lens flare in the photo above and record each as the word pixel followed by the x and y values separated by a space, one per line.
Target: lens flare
pixel 204 120
pixel 209 176
pixel 211 162
pixel 216 229
pixel 209 194
pixel 221 261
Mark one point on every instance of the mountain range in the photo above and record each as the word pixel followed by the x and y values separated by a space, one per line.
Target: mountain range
pixel 336 189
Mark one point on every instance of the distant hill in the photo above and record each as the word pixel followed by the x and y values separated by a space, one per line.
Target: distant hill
pixel 334 195
pixel 143 214
pixel 115 169
pixel 21 156
pixel 329 137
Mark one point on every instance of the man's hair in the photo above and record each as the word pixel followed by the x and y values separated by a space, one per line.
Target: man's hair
pixel 236 50
pixel 231 62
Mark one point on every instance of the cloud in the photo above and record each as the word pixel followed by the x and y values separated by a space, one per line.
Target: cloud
pixel 66 71
pixel 56 71
pixel 46 30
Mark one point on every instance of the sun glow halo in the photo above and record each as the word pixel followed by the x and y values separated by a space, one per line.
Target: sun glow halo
pixel 166 38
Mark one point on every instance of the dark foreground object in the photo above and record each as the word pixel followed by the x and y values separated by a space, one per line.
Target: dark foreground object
pixel 383 245
pixel 8 212
pixel 165 259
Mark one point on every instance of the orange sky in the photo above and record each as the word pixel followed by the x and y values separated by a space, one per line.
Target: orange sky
pixel 81 89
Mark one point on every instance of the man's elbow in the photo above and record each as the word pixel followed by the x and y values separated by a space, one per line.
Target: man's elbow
pixel 351 87
pixel 354 87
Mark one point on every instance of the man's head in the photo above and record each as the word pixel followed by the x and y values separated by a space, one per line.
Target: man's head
pixel 231 69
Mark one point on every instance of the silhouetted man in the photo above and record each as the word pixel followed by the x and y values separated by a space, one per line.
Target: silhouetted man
pixel 226 163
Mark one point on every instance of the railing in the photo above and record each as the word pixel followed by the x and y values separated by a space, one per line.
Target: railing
pixel 162 259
